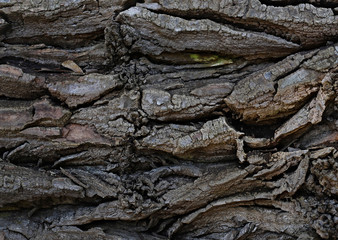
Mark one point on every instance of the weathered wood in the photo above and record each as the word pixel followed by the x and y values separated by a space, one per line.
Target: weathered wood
pixel 168 119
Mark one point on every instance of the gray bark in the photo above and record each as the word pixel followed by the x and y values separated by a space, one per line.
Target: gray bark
pixel 168 119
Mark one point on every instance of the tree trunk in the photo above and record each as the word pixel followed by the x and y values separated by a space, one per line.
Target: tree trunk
pixel 168 119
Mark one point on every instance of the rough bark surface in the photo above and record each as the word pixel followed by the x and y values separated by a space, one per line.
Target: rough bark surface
pixel 157 119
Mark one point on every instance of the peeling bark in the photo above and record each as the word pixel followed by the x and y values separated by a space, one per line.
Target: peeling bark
pixel 168 119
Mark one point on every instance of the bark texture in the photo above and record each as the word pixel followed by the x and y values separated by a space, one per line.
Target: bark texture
pixel 157 119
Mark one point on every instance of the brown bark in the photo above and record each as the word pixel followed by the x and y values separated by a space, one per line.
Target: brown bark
pixel 168 119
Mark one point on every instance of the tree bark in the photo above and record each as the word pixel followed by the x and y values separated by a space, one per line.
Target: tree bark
pixel 168 119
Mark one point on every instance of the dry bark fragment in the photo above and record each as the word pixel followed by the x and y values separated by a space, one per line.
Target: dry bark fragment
pixel 311 113
pixel 153 37
pixel 93 58
pixel 85 89
pixel 14 83
pixel 160 105
pixel 256 100
pixel 17 115
pixel 302 23
pixel 60 27
pixel 214 140
pixel 33 187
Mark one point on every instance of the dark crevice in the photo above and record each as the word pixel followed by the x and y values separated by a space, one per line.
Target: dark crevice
pixel 28 66
pixel 4 16
pixel 128 4
pixel 58 102
pixel 11 54
pixel 5 151
pixel 186 59
pixel 41 70
pixel 44 202
pixel 164 68
pixel 65 42
pixel 33 111
pixel 4 98
pixel 257 131
pixel 196 122
pixel 243 165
